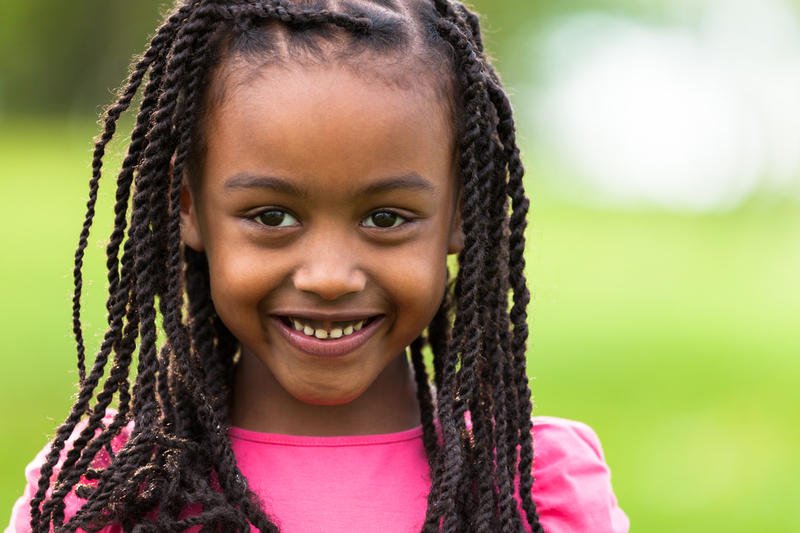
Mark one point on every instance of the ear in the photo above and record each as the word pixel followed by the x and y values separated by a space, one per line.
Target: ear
pixel 456 242
pixel 190 227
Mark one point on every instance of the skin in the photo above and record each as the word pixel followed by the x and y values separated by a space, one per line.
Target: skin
pixel 304 241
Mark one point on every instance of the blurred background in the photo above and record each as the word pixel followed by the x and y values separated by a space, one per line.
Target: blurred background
pixel 662 141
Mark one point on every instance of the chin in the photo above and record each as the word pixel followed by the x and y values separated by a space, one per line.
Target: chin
pixel 328 398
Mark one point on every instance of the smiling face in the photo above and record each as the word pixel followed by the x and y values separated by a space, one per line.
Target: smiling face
pixel 326 207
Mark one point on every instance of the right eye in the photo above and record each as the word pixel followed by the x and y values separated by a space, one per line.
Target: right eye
pixel 276 218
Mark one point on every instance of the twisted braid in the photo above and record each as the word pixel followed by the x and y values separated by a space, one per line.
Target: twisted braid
pixel 458 390
pixel 424 397
pixel 511 415
pixel 87 387
pixel 171 304
pixel 439 337
pixel 112 115
pixel 521 295
pixel 177 456
pixel 504 411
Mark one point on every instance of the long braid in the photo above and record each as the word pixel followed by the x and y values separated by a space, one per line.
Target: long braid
pixel 505 410
pixel 476 170
pixel 109 128
pixel 521 295
pixel 87 387
pixel 515 267
pixel 488 416
pixel 480 492
pixel 455 393
pixel 171 303
pixel 180 348
pixel 114 315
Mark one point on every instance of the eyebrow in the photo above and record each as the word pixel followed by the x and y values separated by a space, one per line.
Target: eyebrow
pixel 244 180
pixel 411 181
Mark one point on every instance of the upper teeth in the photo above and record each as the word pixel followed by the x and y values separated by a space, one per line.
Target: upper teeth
pixel 338 330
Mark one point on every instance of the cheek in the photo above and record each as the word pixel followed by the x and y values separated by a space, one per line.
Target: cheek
pixel 232 278
pixel 419 281
pixel 238 285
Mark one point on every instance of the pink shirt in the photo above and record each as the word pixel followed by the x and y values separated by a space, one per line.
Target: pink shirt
pixel 360 483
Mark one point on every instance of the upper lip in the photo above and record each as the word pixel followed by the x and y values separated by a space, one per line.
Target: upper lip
pixel 333 316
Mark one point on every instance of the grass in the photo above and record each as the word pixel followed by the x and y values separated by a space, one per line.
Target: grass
pixel 674 336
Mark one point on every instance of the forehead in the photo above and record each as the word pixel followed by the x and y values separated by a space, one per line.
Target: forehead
pixel 325 121
pixel 377 86
pixel 406 72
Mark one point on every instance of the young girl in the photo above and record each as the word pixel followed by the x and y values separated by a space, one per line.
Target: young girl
pixel 298 173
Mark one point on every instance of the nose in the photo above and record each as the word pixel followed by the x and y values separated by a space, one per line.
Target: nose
pixel 330 272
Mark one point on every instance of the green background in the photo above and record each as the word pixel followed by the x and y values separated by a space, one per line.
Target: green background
pixel 674 335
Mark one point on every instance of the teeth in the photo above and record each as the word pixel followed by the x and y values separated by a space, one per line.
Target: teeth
pixel 322 333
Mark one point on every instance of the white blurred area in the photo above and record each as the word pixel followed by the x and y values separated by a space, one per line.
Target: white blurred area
pixel 696 111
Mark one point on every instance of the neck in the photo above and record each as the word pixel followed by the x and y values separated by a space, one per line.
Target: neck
pixel 260 403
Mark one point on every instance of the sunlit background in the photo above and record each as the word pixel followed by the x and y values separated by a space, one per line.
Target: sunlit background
pixel 662 141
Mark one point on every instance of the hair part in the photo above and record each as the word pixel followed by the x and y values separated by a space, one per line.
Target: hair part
pixel 178 455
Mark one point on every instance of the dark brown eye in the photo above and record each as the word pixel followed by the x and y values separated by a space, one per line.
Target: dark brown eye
pixel 383 219
pixel 276 218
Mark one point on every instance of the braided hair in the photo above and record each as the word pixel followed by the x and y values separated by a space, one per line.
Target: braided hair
pixel 178 455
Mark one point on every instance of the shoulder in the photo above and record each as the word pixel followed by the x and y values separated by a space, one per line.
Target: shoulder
pixel 20 514
pixel 572 482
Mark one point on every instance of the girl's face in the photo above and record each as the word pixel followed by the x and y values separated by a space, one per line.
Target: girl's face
pixel 326 207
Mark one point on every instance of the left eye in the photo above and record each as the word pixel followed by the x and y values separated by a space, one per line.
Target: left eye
pixel 384 219
pixel 276 218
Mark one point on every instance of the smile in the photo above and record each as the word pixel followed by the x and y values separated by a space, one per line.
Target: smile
pixel 326 338
pixel 333 330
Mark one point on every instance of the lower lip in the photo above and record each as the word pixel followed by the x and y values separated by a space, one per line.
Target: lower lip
pixel 328 347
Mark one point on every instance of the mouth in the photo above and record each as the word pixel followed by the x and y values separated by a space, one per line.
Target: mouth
pixel 323 330
pixel 325 337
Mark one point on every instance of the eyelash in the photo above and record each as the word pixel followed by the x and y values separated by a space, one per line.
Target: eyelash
pixel 403 219
pixel 257 217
